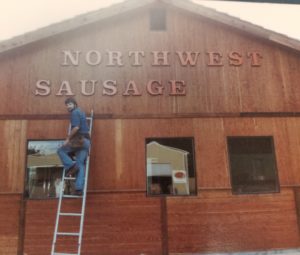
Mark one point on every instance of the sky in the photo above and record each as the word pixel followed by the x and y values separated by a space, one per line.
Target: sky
pixel 18 16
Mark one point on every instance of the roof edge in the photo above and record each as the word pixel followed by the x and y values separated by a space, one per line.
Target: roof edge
pixel 123 7
pixel 71 23
pixel 237 23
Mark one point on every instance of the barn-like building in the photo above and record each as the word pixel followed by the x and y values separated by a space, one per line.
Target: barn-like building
pixel 196 138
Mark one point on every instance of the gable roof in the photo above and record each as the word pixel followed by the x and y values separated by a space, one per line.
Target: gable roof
pixel 156 144
pixel 128 5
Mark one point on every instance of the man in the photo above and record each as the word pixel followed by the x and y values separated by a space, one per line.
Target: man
pixel 77 143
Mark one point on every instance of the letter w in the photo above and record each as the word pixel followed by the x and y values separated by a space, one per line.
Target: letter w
pixel 188 57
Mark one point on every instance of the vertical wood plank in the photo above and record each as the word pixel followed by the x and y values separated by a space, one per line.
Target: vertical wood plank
pixel 12 156
pixel 9 223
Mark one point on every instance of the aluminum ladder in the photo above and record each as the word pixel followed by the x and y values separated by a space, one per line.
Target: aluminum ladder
pixel 62 197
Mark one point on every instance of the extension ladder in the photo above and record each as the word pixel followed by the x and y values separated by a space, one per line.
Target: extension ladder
pixel 62 197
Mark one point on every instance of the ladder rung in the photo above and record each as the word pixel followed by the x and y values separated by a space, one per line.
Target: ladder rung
pixel 70 178
pixel 72 196
pixel 70 214
pixel 67 234
pixel 59 253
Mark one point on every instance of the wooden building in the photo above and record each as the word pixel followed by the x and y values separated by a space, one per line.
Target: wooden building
pixel 222 92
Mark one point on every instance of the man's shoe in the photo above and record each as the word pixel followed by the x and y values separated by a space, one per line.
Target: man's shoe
pixel 72 171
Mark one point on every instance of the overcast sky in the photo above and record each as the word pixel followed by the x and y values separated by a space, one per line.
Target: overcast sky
pixel 21 16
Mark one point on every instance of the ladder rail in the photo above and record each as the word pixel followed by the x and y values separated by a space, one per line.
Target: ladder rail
pixel 58 211
pixel 61 196
pixel 87 167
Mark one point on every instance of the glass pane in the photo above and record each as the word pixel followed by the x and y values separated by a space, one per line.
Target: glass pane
pixel 170 166
pixel 252 165
pixel 44 169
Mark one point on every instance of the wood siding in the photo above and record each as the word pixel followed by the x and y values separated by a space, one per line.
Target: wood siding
pixel 118 164
pixel 131 223
pixel 12 155
pixel 271 87
pixel 120 148
pixel 115 224
pixel 118 153
pixel 9 224
pixel 218 221
pixel 120 218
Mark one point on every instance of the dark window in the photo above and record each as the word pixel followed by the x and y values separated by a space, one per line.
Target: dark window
pixel 170 166
pixel 252 165
pixel 44 169
pixel 158 19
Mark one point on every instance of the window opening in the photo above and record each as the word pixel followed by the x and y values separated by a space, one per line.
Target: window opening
pixel 170 166
pixel 252 165
pixel 43 169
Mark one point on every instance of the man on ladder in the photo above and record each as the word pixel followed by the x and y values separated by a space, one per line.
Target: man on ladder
pixel 78 143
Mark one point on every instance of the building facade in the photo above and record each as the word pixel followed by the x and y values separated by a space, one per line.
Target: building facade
pixel 195 146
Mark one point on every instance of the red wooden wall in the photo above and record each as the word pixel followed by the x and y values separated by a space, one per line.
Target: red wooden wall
pixel 120 218
pixel 270 87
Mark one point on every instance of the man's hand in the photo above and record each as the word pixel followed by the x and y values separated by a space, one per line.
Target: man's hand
pixel 66 142
pixel 72 132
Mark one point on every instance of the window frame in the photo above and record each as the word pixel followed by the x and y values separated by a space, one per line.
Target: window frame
pixel 276 176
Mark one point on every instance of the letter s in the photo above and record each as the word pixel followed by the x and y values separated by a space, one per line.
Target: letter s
pixel 42 88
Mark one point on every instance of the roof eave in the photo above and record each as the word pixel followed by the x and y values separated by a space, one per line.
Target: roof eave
pixel 72 23
pixel 123 7
pixel 237 23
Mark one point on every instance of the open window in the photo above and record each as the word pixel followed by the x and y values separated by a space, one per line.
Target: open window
pixel 43 169
pixel 170 166
pixel 252 165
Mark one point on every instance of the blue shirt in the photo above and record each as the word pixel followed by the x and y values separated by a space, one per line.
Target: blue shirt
pixel 78 119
